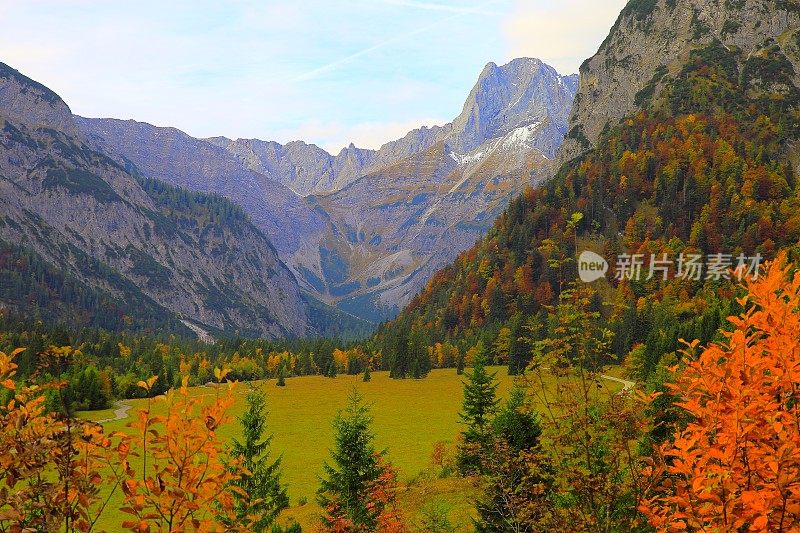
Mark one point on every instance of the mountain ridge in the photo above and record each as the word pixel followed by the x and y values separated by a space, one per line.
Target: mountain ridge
pixel 317 245
pixel 100 232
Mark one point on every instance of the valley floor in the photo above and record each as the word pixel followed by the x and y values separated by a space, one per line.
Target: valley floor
pixel 410 416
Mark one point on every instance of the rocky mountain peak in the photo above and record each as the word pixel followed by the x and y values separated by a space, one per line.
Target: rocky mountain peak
pixel 520 93
pixel 27 101
pixel 654 38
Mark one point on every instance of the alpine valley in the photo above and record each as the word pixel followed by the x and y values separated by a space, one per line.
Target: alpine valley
pixel 256 236
pixel 365 229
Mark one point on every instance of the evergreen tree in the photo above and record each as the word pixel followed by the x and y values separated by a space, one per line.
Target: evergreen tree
pixel 367 377
pixel 516 423
pixel 281 377
pixel 420 361
pixel 518 352
pixel 260 496
pixel 344 492
pixel 517 492
pixel 399 360
pixel 331 373
pixel 460 363
pixel 478 408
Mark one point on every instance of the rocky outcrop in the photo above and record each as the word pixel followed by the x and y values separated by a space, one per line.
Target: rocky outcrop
pixel 652 38
pixel 25 100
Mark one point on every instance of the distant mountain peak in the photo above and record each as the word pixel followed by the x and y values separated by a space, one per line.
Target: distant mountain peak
pixel 521 92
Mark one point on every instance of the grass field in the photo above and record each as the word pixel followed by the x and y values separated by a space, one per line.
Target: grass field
pixel 409 417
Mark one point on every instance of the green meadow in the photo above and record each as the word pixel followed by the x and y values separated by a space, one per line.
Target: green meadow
pixel 409 417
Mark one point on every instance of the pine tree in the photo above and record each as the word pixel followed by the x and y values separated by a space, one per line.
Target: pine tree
pixel 399 363
pixel 260 496
pixel 420 361
pixel 367 377
pixel 281 377
pixel 344 492
pixel 516 423
pixel 478 408
pixel 460 363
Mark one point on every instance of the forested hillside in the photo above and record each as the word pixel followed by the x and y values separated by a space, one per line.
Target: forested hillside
pixel 706 166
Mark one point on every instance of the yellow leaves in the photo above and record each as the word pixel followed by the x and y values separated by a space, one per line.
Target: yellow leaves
pixel 221 373
pixel 124 351
pixel 184 474
pixel 147 385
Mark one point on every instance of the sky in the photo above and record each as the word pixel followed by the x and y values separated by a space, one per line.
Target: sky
pixel 328 72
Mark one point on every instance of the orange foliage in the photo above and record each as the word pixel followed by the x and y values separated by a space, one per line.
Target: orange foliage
pixel 184 481
pixel 50 466
pixel 736 466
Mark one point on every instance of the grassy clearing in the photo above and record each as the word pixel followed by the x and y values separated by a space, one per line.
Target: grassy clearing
pixel 409 417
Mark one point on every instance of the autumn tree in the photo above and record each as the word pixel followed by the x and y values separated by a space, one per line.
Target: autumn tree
pixel 736 464
pixel 183 483
pixel 591 429
pixel 51 465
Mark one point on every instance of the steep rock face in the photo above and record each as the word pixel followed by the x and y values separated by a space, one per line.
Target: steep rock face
pixel 654 37
pixel 172 155
pixel 523 92
pixel 179 255
pixel 399 223
pixel 23 99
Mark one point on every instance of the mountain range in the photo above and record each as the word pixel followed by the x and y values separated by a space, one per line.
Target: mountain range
pixel 248 236
pixel 364 229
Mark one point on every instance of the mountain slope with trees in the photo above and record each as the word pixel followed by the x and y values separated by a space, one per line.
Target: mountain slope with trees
pixel 705 164
pixel 86 241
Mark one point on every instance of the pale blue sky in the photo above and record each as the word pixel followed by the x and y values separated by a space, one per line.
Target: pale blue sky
pixel 328 72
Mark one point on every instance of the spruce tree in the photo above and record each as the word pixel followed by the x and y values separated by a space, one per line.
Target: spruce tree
pixel 260 496
pixel 399 364
pixel 477 411
pixel 516 423
pixel 367 377
pixel 420 361
pixel 344 492
pixel 281 377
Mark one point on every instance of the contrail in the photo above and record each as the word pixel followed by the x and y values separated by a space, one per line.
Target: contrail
pixel 458 13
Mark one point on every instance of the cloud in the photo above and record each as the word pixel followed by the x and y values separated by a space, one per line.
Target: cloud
pixel 333 136
pixel 564 33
